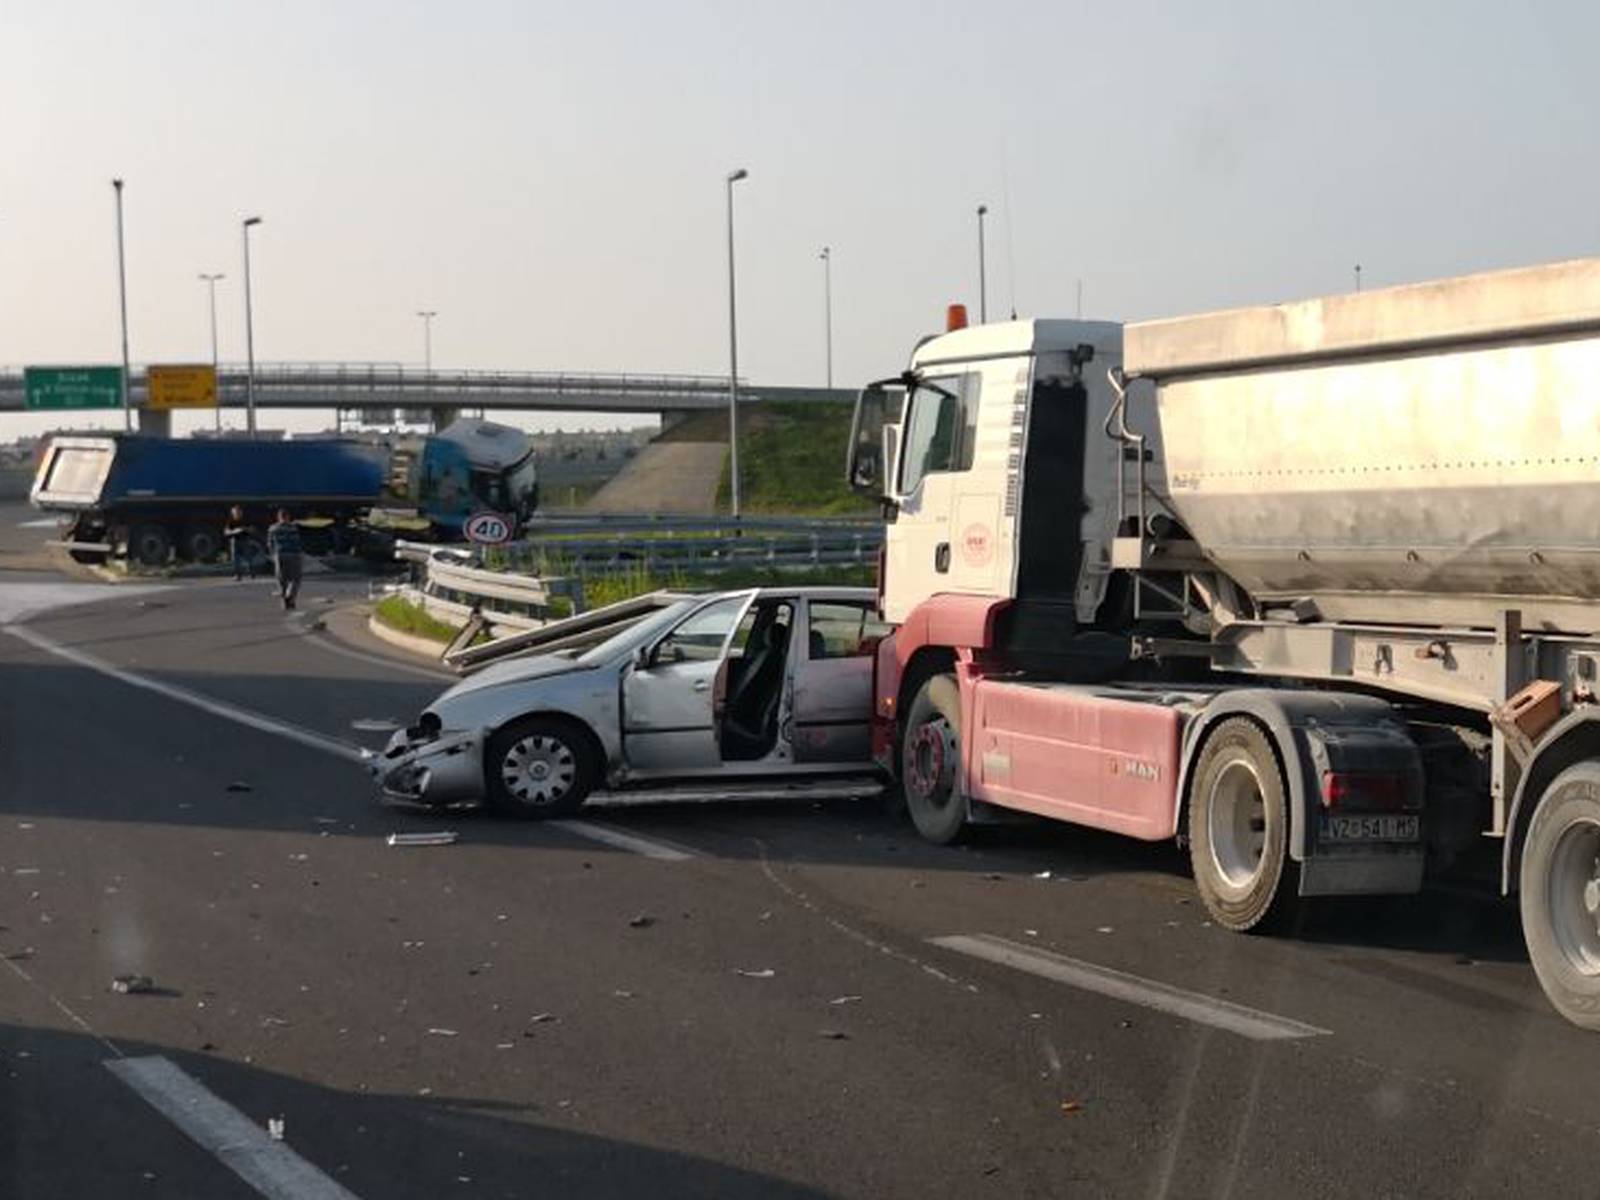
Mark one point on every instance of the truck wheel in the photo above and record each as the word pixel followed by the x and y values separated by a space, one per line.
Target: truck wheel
pixel 201 543
pixel 150 545
pixel 930 762
pixel 539 767
pixel 1561 893
pixel 1239 828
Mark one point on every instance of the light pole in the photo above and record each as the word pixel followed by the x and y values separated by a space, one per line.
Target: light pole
pixel 827 307
pixel 249 336
pixel 122 296
pixel 983 274
pixel 210 281
pixel 733 355
pixel 427 316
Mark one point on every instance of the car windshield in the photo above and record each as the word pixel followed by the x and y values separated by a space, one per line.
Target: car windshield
pixel 635 635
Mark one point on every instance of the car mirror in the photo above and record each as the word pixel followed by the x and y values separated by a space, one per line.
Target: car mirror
pixel 641 658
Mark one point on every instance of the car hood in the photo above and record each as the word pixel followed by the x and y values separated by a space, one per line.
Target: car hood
pixel 517 670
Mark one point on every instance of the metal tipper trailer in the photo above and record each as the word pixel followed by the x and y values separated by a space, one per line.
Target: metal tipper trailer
pixel 1334 598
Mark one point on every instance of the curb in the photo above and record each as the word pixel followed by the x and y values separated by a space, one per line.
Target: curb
pixel 420 646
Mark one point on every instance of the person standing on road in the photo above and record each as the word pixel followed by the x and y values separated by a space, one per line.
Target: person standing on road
pixel 283 540
pixel 238 535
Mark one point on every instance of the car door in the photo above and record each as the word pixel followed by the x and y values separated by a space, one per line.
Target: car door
pixel 669 700
pixel 833 682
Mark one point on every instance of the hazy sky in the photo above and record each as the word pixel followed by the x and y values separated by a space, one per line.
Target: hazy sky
pixel 550 176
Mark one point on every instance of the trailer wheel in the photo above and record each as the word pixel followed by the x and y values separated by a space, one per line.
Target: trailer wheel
pixel 930 762
pixel 150 544
pixel 1239 828
pixel 1560 896
pixel 201 543
pixel 539 767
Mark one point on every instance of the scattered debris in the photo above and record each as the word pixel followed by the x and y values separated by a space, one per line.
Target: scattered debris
pixel 275 1126
pixel 207 1047
pixel 238 785
pixel 24 870
pixel 24 824
pixel 1104 929
pixel 22 955
pixel 133 985
pixel 268 1021
pixel 504 1045
pixel 541 1018
pixel 766 916
pixel 993 876
pixel 763 973
pixel 844 1000
pixel 642 921
pixel 1031 932
pixel 623 994
pixel 1069 1107
pixel 437 1032
pixel 444 837
pixel 833 1035
pixel 1041 875
pixel 1124 1024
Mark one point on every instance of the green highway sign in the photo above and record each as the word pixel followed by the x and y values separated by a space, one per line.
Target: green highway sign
pixel 73 387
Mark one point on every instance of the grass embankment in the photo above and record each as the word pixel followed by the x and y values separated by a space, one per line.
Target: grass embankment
pixel 401 614
pixel 791 462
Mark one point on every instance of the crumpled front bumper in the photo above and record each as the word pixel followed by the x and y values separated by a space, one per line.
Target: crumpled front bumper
pixel 442 768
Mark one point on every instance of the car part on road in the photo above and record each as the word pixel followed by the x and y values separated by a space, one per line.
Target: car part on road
pixel 442 838
pixel 539 767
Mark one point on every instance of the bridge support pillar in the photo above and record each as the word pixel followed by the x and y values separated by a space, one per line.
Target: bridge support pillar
pixel 155 422
pixel 443 414
pixel 671 417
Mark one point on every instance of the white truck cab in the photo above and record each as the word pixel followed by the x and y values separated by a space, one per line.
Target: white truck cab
pixel 990 438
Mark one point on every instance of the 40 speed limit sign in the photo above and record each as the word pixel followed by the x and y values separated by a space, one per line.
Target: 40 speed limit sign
pixel 489 528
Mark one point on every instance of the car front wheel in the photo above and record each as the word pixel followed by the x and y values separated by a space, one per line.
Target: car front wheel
pixel 539 767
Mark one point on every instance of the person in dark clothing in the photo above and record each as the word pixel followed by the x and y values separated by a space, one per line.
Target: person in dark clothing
pixel 239 548
pixel 283 540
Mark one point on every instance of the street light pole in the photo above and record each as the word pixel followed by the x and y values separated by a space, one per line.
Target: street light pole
pixel 733 355
pixel 211 284
pixel 122 296
pixel 827 307
pixel 983 273
pixel 427 316
pixel 249 335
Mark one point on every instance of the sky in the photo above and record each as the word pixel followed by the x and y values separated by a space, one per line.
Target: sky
pixel 550 177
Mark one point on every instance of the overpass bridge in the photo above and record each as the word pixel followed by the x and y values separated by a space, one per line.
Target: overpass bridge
pixel 382 387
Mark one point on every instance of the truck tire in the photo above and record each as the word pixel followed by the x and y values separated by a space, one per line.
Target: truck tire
pixel 1239 829
pixel 1560 896
pixel 539 767
pixel 930 762
pixel 201 543
pixel 150 544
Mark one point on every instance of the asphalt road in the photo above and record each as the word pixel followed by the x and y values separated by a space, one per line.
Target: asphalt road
pixel 533 1012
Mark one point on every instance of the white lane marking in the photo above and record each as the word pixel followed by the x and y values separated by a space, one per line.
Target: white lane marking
pixel 648 847
pixel 217 708
pixel 1119 985
pixel 19 600
pixel 241 1145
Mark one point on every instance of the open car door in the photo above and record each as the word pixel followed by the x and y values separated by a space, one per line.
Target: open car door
pixel 833 682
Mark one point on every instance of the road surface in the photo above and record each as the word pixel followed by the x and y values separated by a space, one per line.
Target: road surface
pixel 766 1000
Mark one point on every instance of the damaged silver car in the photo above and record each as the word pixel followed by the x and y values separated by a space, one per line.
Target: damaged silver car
pixel 737 686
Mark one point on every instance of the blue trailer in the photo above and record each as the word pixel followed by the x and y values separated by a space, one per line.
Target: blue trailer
pixel 152 498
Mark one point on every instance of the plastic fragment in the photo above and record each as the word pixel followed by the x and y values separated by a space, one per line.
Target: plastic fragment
pixel 1041 875
pixel 239 786
pixel 833 1035
pixel 1068 1107
pixel 133 985
pixel 763 973
pixel 642 921
pixel 275 1126
pixel 541 1018
pixel 437 1032
pixel 1104 929
pixel 444 837
pixel 844 1000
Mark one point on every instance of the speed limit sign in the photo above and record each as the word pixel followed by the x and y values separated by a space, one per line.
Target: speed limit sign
pixel 488 528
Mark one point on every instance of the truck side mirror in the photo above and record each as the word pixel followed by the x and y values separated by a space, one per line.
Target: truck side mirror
pixel 871 456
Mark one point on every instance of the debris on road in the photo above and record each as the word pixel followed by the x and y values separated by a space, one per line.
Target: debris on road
pixel 623 994
pixel 24 870
pixel 444 837
pixel 541 1018
pixel 275 1127
pixel 504 1045
pixel 1068 1107
pixel 1104 929
pixel 133 985
pixel 239 785
pixel 993 876
pixel 642 921
pixel 833 1035
pixel 763 973
pixel 22 955
pixel 438 1032
pixel 844 1000
pixel 1041 875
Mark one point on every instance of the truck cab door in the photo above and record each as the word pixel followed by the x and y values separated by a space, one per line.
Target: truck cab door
pixel 936 444
pixel 670 711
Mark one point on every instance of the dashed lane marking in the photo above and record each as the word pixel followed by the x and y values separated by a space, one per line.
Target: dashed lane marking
pixel 1119 985
pixel 649 847
pixel 238 1143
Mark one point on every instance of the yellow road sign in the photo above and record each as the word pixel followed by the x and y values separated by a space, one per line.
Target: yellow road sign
pixel 182 386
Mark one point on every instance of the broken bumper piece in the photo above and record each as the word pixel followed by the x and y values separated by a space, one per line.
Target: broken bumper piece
pixel 423 768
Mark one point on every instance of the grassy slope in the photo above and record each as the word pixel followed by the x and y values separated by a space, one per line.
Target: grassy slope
pixel 413 619
pixel 791 461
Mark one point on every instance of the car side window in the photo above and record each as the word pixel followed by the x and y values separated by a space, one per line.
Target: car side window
pixel 701 636
pixel 841 629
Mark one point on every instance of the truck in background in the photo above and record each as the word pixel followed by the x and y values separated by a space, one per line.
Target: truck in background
pixel 151 498
pixel 1312 588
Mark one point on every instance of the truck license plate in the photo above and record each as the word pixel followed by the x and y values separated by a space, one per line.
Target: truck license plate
pixel 1369 829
